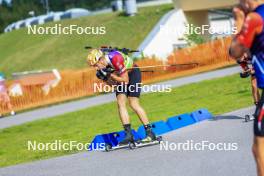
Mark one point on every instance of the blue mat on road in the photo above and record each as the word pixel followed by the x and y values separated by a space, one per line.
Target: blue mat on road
pixel 159 128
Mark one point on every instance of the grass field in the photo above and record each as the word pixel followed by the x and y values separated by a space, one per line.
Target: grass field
pixel 218 95
pixel 22 52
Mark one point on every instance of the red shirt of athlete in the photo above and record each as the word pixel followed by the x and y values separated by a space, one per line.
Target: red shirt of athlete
pixel 116 60
pixel 253 25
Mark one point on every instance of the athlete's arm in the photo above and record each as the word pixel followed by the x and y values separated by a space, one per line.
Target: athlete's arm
pixel 243 63
pixel 111 82
pixel 239 17
pixel 244 67
pixel 243 41
pixel 119 65
pixel 122 78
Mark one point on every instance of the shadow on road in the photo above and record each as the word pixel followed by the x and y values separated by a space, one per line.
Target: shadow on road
pixel 231 117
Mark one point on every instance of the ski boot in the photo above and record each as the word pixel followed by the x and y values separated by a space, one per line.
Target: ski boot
pixel 129 136
pixel 249 117
pixel 150 136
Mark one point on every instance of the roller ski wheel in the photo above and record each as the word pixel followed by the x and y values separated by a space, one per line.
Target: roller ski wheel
pixel 108 147
pixel 159 139
pixel 132 145
pixel 249 118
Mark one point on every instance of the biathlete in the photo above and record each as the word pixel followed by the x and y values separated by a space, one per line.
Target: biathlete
pixel 239 16
pixel 249 71
pixel 251 41
pixel 118 67
pixel 4 97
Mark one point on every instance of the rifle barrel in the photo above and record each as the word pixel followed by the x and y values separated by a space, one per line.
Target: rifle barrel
pixel 172 65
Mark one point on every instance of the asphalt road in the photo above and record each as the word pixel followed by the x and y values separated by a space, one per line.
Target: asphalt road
pixel 148 161
pixel 55 110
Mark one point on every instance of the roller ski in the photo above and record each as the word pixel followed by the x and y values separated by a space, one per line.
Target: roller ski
pixel 134 144
pixel 249 118
pixel 131 143
pixel 150 139
pixel 127 142
pixel 148 142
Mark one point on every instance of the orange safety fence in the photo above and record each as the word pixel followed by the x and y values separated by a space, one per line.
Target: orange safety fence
pixel 80 83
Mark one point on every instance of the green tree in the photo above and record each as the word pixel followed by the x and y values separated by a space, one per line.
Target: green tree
pixel 19 8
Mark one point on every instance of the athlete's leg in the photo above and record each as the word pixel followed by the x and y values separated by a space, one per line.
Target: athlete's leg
pixel 134 91
pixel 123 114
pixel 255 154
pixel 133 99
pixel 258 146
pixel 259 154
pixel 260 143
pixel 135 105
pixel 124 117
pixel 255 91
pixel 137 108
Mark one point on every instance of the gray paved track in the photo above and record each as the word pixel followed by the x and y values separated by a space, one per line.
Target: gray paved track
pixel 149 161
pixel 55 110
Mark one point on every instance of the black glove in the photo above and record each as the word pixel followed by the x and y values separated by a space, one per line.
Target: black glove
pixel 108 70
pixel 244 75
pixel 102 74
